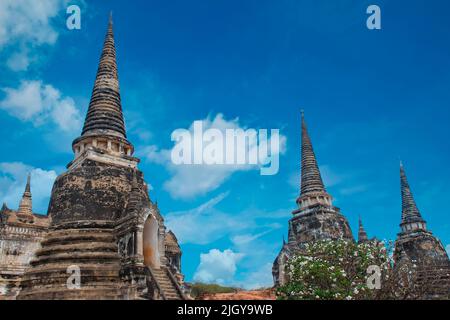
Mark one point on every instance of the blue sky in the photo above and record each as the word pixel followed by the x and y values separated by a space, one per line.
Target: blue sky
pixel 370 98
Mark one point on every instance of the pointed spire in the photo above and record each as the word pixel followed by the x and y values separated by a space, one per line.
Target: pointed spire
pixel 25 206
pixel 362 235
pixel 28 185
pixel 4 207
pixel 104 115
pixel 410 213
pixel 311 180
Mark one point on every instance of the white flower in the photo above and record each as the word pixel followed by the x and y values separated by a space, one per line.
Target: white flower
pixel 348 298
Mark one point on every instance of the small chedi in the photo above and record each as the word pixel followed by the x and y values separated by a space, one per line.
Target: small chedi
pixel 418 249
pixel 101 220
pixel 20 234
pixel 317 219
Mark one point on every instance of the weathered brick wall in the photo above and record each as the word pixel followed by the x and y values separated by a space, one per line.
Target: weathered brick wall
pixel 18 246
pixel 93 191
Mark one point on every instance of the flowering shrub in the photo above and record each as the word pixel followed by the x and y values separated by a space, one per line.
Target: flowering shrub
pixel 334 270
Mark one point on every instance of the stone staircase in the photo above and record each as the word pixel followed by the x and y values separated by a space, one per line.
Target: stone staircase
pixel 168 288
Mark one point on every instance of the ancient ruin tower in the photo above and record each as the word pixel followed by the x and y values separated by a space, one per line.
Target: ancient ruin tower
pixel 312 189
pixel 362 234
pixel 25 210
pixel 418 253
pixel 414 242
pixel 21 231
pixel 104 127
pixel 315 217
pixel 107 239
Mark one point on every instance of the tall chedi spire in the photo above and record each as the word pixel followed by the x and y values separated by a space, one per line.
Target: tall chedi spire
pixel 417 245
pixel 411 217
pixel 315 217
pixel 25 206
pixel 104 126
pixel 101 215
pixel 362 234
pixel 312 189
pixel 105 108
pixel 314 200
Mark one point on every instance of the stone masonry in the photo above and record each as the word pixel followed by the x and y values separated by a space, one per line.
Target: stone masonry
pixel 20 234
pixel 101 220
pixel 315 217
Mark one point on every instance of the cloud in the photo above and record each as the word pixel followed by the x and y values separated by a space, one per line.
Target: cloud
pixel 248 265
pixel 216 224
pixel 259 277
pixel 330 177
pixel 217 266
pixel 188 181
pixel 255 269
pixel 26 25
pixel 18 61
pixel 247 238
pixel 13 177
pixel 249 232
pixel 40 103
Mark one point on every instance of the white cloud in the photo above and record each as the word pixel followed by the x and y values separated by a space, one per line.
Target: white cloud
pixel 217 266
pixel 188 181
pixel 248 265
pixel 18 61
pixel 248 232
pixel 243 239
pixel 259 277
pixel 330 177
pixel 255 269
pixel 13 177
pixel 206 223
pixel 38 102
pixel 214 223
pixel 25 25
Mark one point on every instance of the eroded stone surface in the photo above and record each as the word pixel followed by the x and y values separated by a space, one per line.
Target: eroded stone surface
pixel 102 223
pixel 20 235
pixel 315 218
